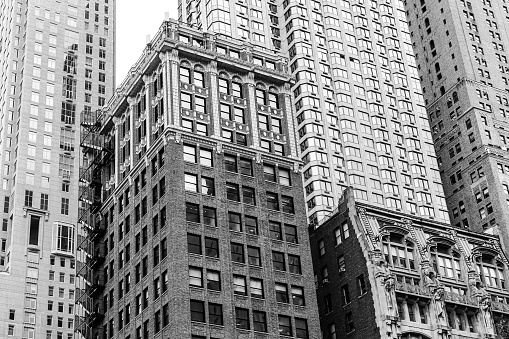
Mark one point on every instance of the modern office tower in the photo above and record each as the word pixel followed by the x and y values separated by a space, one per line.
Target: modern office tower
pixel 360 115
pixel 56 60
pixel 191 232
pixel 461 49
pixel 384 274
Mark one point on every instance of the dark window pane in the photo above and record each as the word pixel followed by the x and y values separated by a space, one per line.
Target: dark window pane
pixel 237 252
pixel 194 243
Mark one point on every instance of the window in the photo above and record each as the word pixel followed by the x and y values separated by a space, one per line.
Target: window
pixel 195 277
pixel 197 311
pixel 349 322
pixel 230 163
pixel 65 237
pixel 191 182
pixel 447 263
pixel 211 247
pixel 285 325
pixel 207 186
pixel 248 195
pixel 291 234
pixel 246 167
pixel 272 201
pixel 269 173
pixel 491 271
pixel 215 314
pixel 234 222
pixel 259 321
pixel 294 264
pixel 275 230
pixel 253 256
pixel 281 293
pixel 194 243
pixel 256 288
pixel 285 177
pixel 278 261
pixel 251 224
pixel 209 216
pixel 287 204
pixel 242 318
pixel 361 283
pixel 239 285
pixel 237 252
pixel 213 280
pixel 398 251
pixel 192 212
pixel 301 328
pixel 232 192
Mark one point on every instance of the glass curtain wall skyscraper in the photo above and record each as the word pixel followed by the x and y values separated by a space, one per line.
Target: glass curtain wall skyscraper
pixel 360 111
pixel 56 60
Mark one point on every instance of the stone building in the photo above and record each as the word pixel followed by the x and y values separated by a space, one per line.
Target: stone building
pixel 461 51
pixel 382 274
pixel 191 227
pixel 56 60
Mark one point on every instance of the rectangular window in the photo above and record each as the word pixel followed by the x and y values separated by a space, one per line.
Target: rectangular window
pixel 248 195
pixel 251 224
pixel 194 243
pixel 192 212
pixel 272 201
pixel 242 318
pixel 259 321
pixel 195 277
pixel 256 288
pixel 230 163
pixel 215 314
pixel 278 261
pixel 197 311
pixel 246 167
pixel 275 230
pixel 285 325
pixel 294 264
pixel 232 192
pixel 209 216
pixel 291 234
pixel 211 247
pixel 213 280
pixel 253 256
pixel 237 252
pixel 287 204
pixel 239 285
pixel 234 222
pixel 33 238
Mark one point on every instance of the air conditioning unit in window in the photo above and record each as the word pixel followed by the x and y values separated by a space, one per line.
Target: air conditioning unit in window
pixel 342 269
pixel 325 280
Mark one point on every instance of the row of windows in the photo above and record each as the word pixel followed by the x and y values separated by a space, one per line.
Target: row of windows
pixel 243 319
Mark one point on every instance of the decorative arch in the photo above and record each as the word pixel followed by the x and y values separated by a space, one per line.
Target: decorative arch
pixel 185 63
pixel 414 335
pixel 261 85
pixel 237 78
pixel 224 75
pixel 273 89
pixel 199 67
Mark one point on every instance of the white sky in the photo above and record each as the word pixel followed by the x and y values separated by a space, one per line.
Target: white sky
pixel 135 20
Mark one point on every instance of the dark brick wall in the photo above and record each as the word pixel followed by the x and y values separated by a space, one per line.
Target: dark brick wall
pixel 179 292
pixel 361 306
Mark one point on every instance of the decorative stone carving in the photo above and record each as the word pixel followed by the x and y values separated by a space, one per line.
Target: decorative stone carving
pixel 485 314
pixel 219 148
pixel 178 137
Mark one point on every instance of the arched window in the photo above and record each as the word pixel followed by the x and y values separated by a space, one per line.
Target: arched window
pixel 491 271
pixel 432 44
pixel 398 251
pixel 230 87
pixel 426 22
pixel 447 262
pixel 269 98
pixel 455 96
pixel 442 90
pixel 437 67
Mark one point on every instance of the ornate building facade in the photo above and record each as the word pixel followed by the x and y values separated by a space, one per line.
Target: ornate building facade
pixel 191 229
pixel 381 274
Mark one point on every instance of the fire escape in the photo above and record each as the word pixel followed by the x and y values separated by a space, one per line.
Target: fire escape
pixel 96 153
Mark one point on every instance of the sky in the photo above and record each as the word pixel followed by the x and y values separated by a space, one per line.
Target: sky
pixel 135 20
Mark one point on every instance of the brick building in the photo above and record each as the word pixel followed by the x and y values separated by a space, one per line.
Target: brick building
pixel 383 274
pixel 189 228
pixel 461 50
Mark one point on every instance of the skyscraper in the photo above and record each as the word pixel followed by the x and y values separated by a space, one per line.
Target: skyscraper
pixel 56 60
pixel 360 113
pixel 462 57
pixel 187 230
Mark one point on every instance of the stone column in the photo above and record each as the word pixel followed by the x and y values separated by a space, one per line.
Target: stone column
pixel 214 100
pixel 132 129
pixel 252 106
pixel 173 93
pixel 289 108
pixel 148 118
pixel 166 87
